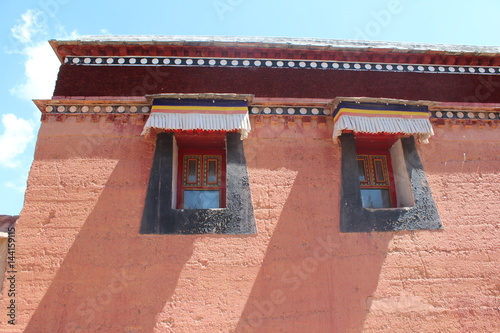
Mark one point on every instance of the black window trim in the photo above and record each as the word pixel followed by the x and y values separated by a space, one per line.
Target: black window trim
pixel 354 218
pixel 160 218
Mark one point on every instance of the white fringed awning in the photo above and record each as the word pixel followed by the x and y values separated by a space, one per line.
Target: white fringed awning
pixel 381 118
pixel 195 114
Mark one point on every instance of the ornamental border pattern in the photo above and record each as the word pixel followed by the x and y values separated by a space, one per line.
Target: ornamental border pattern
pixel 277 63
pixel 282 110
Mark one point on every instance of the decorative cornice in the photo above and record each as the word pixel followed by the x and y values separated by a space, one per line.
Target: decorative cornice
pixel 472 114
pixel 296 49
pixel 380 66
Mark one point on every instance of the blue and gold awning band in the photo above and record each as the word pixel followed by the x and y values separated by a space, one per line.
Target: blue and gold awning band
pixel 199 114
pixel 373 118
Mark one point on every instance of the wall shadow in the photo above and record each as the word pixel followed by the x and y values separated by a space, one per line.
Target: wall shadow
pixel 112 278
pixel 314 278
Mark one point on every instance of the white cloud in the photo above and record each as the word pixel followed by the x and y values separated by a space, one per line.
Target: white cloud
pixel 40 70
pixel 16 187
pixel 16 136
pixel 32 24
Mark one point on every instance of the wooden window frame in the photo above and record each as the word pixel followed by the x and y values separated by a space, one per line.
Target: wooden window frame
pixel 369 156
pixel 201 183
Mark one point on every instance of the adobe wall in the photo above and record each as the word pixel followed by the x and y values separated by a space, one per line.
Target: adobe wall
pixel 84 267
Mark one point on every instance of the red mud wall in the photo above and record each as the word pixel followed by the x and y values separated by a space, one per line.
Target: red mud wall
pixel 84 267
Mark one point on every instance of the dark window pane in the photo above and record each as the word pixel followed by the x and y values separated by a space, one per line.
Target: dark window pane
pixel 201 199
pixel 212 171
pixel 361 171
pixel 379 171
pixel 375 198
pixel 192 171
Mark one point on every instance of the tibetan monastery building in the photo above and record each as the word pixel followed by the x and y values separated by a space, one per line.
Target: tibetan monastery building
pixel 196 184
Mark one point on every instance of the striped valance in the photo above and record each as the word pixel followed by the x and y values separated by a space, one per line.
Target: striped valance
pixel 376 118
pixel 199 114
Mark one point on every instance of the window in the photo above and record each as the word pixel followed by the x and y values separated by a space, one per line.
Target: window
pixel 376 179
pixel 384 186
pixel 202 179
pixel 198 184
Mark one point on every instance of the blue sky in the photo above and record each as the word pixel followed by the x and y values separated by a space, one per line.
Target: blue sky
pixel 29 67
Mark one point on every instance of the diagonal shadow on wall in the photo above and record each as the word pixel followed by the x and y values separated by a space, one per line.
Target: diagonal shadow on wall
pixel 113 278
pixel 313 278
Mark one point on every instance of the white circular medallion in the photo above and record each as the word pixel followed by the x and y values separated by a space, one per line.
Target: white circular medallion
pixel 60 108
pixel 200 62
pixel 177 61
pixel 255 110
pixel 267 110
pixel 279 110
pixel 269 63
pixel 223 62
pixel 155 61
pixel 144 109
pixel 133 109
pixel 121 109
pixel 315 111
pixel 166 61
pixel 189 61
pixel 290 110
pixel 49 108
pixel 97 108
pixel 109 108
pixel 234 62
pixel 303 110
pixel 72 108
pixel 76 60
pixel 110 60
pixel 246 63
pixel 85 109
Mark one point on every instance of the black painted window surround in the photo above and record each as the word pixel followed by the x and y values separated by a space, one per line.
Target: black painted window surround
pixel 354 218
pixel 160 218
